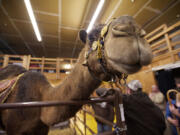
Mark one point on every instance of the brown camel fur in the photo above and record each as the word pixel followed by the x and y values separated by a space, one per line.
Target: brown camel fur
pixel 126 51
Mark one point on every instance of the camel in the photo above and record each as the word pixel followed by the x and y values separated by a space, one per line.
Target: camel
pixel 124 51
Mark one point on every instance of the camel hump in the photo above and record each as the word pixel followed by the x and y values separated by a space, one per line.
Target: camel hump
pixel 11 71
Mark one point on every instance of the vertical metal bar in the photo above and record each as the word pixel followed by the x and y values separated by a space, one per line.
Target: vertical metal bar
pixel 75 123
pixel 84 121
pixel 117 102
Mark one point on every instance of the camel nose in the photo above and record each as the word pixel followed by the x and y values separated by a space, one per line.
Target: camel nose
pixel 122 30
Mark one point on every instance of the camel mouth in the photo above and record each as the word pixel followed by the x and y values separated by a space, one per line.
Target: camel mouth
pixel 131 68
pixel 125 68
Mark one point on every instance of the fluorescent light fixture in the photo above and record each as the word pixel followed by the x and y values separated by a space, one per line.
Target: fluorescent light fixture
pixel 33 19
pixel 96 13
pixel 67 66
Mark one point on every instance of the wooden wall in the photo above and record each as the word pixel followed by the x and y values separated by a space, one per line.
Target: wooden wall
pixel 165 45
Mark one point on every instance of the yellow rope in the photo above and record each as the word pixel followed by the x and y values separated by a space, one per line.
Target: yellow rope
pixel 11 89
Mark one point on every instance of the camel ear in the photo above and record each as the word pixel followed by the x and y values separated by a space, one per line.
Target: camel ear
pixel 83 35
pixel 142 33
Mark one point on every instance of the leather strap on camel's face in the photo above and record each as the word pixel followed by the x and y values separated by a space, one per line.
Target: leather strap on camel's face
pixel 98 45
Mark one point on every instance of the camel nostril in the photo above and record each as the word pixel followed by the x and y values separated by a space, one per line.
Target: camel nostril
pixel 120 27
pixel 122 30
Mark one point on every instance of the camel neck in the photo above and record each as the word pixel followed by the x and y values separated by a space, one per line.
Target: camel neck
pixel 78 85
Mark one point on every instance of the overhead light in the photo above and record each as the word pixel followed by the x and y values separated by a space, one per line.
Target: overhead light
pixel 33 19
pixel 67 66
pixel 96 13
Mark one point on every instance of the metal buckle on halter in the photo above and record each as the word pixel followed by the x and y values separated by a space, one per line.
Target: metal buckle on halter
pixel 119 130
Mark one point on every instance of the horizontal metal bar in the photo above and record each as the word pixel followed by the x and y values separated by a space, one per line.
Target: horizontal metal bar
pixel 52 103
pixel 100 118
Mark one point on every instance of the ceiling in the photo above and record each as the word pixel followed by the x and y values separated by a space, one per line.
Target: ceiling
pixel 59 22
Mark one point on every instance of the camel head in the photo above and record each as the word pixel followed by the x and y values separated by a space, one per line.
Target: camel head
pixel 120 44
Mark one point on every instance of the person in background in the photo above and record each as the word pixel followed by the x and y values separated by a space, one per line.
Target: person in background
pixel 104 110
pixel 177 87
pixel 157 97
pixel 173 114
pixel 177 82
pixel 134 86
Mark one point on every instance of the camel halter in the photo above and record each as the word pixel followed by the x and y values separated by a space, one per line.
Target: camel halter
pixel 98 46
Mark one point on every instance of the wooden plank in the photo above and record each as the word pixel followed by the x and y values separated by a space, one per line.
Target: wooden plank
pixel 174 34
pixel 16 56
pixel 50 59
pixel 156 44
pixel 154 31
pixel 169 45
pixel 175 43
pixel 158 58
pixel 6 60
pixel 34 67
pixel 36 62
pixel 160 50
pixel 15 61
pixel 163 32
pixel 50 68
pixel 37 58
pixel 50 63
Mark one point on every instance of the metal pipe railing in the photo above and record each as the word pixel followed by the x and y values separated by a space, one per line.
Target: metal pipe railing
pixel 100 118
pixel 51 103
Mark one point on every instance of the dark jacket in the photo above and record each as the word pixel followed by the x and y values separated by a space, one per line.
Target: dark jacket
pixel 105 111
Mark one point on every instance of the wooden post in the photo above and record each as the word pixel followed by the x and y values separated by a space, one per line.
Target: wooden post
pixel 6 60
pixel 169 45
pixel 28 62
pixel 57 68
pixel 42 65
pixel 24 63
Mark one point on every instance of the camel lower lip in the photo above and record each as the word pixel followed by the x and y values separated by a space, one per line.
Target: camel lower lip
pixel 131 68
